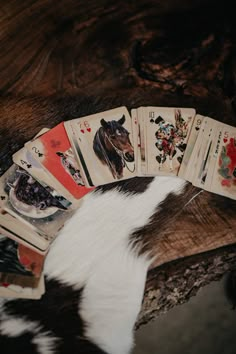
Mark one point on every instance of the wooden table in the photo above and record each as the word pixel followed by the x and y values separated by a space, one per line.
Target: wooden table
pixel 135 53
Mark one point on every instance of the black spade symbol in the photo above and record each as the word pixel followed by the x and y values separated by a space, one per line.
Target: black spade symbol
pixel 197 128
pixel 152 120
pixel 158 120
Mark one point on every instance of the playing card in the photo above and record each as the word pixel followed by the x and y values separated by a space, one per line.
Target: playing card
pixel 224 175
pixel 104 146
pixel 25 160
pixel 28 201
pixel 19 265
pixel 16 291
pixel 167 133
pixel 53 151
pixel 190 145
pixel 20 232
pixel 213 154
pixel 191 169
pixel 204 154
pixel 136 139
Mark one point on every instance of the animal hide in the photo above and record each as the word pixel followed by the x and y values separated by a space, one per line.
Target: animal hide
pixel 97 266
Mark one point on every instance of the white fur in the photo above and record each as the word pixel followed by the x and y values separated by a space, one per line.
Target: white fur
pixel 93 251
pixel 14 327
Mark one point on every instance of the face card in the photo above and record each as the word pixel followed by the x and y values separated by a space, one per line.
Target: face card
pixel 105 146
pixel 28 201
pixel 190 145
pixel 167 133
pixel 53 151
pixel 224 176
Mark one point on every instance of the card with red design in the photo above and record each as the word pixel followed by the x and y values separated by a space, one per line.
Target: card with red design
pixel 16 291
pixel 19 264
pixel 53 151
pixel 224 170
pixel 103 146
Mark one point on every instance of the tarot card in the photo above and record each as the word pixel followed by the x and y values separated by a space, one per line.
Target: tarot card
pixel 19 265
pixel 204 154
pixel 167 133
pixel 53 151
pixel 224 175
pixel 104 146
pixel 16 291
pixel 24 159
pixel 28 201
pixel 190 145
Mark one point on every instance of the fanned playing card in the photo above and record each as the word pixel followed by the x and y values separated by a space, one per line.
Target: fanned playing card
pixel 32 204
pixel 166 135
pixel 203 160
pixel 16 291
pixel 19 265
pixel 22 233
pixel 224 175
pixel 53 151
pixel 24 159
pixel 185 164
pixel 103 145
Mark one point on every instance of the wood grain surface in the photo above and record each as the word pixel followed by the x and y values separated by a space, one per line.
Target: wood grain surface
pixel 134 53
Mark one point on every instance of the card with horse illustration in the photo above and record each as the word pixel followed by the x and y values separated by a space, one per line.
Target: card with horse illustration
pixel 103 144
pixel 166 136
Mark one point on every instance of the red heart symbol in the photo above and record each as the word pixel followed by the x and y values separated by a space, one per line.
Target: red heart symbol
pixel 89 130
pixel 225 140
pixel 82 131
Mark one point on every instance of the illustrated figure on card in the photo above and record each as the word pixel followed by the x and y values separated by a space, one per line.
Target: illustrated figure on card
pixel 227 161
pixel 170 140
pixel 112 146
pixel 70 165
pixel 103 146
pixel 28 197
